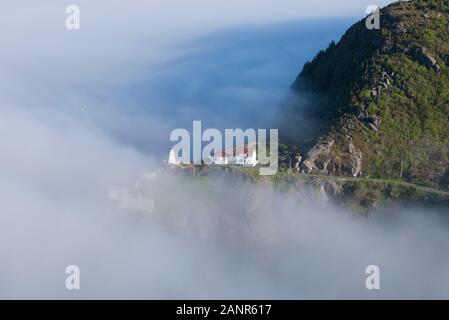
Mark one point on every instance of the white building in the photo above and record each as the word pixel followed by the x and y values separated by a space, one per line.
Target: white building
pixel 243 156
pixel 172 158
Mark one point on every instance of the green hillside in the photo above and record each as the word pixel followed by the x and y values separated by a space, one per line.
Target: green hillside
pixel 376 104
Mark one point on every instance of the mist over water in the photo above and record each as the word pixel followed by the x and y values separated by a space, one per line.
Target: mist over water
pixel 86 112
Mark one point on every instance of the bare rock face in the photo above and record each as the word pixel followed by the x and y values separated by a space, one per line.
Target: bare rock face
pixel 327 158
pixel 355 160
pixel 318 159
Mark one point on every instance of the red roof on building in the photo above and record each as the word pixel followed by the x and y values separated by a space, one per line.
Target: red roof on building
pixel 246 150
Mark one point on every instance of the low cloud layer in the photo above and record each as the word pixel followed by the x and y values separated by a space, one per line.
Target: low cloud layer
pixel 222 238
pixel 84 112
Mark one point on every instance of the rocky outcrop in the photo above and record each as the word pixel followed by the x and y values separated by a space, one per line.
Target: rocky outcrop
pixel 421 55
pixel 371 121
pixel 355 160
pixel 385 90
pixel 384 82
pixel 327 158
pixel 318 159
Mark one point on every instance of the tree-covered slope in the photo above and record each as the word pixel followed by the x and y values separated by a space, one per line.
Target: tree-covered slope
pixel 376 104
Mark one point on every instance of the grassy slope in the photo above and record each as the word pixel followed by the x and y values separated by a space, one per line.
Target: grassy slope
pixel 414 109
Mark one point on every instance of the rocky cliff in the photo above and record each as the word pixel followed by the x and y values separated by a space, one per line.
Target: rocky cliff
pixel 376 104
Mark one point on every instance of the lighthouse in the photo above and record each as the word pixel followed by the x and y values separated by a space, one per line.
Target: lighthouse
pixel 172 158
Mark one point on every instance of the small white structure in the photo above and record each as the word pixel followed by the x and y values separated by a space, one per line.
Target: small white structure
pixel 220 158
pixel 172 158
pixel 243 156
